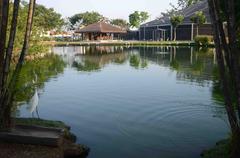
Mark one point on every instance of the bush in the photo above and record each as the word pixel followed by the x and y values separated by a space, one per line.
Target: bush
pixel 46 38
pixel 203 40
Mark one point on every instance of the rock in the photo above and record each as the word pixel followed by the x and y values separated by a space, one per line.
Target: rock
pixel 75 151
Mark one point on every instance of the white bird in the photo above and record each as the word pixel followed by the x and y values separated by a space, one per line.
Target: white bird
pixel 33 102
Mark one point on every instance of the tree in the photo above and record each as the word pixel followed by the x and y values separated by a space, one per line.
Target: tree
pixel 42 22
pixel 47 19
pixel 199 18
pixel 8 82
pixel 137 18
pixel 186 3
pixel 86 18
pixel 181 4
pixel 176 21
pixel 228 50
pixel 121 23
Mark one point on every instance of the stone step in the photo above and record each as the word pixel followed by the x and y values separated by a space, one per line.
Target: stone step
pixel 34 135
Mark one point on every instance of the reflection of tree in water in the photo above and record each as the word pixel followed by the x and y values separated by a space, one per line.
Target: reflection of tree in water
pixel 136 61
pixel 192 65
pixel 34 74
pixel 217 96
pixel 217 93
pixel 86 65
pixel 95 62
pixel 174 65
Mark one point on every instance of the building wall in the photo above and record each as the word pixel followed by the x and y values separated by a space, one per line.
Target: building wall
pixel 155 33
pixel 184 32
pixel 205 29
pixel 130 35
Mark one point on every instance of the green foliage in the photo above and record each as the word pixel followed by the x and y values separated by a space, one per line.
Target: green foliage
pixel 199 18
pixel 47 19
pixel 87 66
pixel 175 65
pixel 86 18
pixel 224 11
pixel 176 20
pixel 187 3
pixel 203 40
pixel 40 122
pixel 136 18
pixel 35 74
pixel 137 62
pixel 44 20
pixel 181 4
pixel 221 150
pixel 121 23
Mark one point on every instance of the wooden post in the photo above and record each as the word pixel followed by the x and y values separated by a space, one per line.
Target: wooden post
pixel 192 33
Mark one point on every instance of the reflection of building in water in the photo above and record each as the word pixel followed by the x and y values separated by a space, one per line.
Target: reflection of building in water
pixel 96 62
pixel 88 50
pixel 190 64
pixel 89 58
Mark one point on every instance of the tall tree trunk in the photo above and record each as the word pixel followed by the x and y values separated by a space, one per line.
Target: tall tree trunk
pixel 223 76
pixel 232 35
pixel 1 4
pixel 219 42
pixel 5 118
pixel 11 40
pixel 3 36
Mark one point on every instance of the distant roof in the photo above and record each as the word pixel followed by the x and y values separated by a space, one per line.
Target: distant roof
pixel 187 13
pixel 100 27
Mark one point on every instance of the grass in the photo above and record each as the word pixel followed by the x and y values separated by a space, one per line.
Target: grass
pixel 221 150
pixel 40 122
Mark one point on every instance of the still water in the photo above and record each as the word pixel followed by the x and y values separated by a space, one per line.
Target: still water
pixel 132 102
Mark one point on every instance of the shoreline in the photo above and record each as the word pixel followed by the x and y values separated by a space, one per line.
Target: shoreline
pixel 67 148
pixel 220 150
pixel 124 43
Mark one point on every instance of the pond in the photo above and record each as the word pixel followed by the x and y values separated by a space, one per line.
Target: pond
pixel 131 102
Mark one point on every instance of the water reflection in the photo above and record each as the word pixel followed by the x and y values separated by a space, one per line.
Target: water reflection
pixel 192 65
pixel 135 101
pixel 34 75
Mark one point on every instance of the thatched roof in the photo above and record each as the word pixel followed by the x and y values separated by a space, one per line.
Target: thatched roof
pixel 101 27
pixel 187 13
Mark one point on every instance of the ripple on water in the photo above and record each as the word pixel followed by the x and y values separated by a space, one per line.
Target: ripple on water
pixel 163 124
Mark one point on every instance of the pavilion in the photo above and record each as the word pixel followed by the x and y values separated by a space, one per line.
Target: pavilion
pixel 100 31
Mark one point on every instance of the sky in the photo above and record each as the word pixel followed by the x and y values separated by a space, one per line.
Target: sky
pixel 109 8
